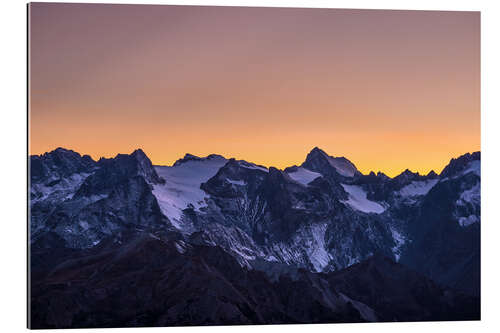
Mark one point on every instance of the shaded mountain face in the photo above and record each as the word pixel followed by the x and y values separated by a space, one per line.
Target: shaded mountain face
pixel 52 167
pixel 401 294
pixel 446 228
pixel 151 280
pixel 321 217
pixel 111 196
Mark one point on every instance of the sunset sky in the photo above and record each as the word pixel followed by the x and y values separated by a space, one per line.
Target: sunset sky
pixel 389 90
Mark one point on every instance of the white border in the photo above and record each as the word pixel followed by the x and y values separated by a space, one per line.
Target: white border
pixel 13 163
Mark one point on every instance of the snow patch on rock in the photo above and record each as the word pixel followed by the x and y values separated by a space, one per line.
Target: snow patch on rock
pixel 236 182
pixel 466 221
pixel 252 166
pixel 182 186
pixel 399 241
pixel 343 167
pixel 471 196
pixel 357 200
pixel 318 255
pixel 417 188
pixel 473 166
pixel 303 176
pixel 64 189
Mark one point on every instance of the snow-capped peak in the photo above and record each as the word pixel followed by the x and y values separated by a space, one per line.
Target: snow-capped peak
pixel 317 160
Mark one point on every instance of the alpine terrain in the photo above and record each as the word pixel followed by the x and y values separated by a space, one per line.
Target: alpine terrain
pixel 214 241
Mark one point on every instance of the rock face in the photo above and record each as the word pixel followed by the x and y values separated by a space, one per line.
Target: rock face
pixel 111 196
pixel 446 230
pixel 361 247
pixel 58 164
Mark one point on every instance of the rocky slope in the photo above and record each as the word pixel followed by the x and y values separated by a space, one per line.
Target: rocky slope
pixel 151 280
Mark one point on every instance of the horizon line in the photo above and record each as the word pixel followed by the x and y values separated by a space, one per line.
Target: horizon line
pixel 266 166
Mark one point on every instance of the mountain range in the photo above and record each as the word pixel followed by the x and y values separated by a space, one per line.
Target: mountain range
pixel 211 241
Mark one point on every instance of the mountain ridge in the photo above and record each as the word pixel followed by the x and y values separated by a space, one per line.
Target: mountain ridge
pixel 189 156
pixel 280 222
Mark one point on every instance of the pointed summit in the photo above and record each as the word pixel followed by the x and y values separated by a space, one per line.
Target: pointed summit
pixel 317 150
pixel 145 167
pixel 319 161
pixel 382 175
pixel 406 176
pixel 139 153
pixel 135 164
pixel 119 171
pixel 432 175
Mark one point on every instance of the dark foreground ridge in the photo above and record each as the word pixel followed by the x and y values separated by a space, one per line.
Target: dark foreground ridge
pixel 152 281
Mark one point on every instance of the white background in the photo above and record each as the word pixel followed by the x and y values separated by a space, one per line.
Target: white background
pixel 13 165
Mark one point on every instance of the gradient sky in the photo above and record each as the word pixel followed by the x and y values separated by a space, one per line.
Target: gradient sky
pixel 389 90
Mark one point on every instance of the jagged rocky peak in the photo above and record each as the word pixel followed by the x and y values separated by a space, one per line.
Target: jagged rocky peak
pixel 463 164
pixel 145 167
pixel 122 168
pixel 408 173
pixel 432 175
pixel 139 154
pixel 190 157
pixel 276 174
pixel 406 177
pixel 59 163
pixel 382 175
pixel 371 178
pixel 319 161
pixel 135 164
